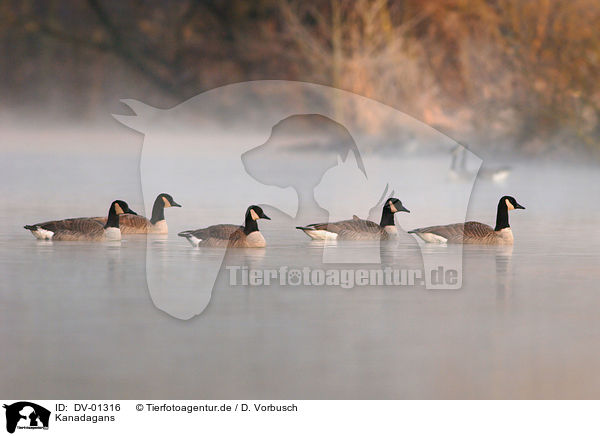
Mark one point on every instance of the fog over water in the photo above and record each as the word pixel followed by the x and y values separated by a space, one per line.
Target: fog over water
pixel 78 320
pixel 365 100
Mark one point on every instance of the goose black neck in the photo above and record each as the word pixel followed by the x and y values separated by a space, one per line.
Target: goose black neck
pixel 113 219
pixel 387 217
pixel 158 210
pixel 502 216
pixel 250 225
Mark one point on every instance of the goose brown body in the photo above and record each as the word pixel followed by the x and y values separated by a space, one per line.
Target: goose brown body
pixel 136 224
pixel 473 232
pixel 357 229
pixel 82 229
pixel 212 236
pixel 230 235
pixel 72 229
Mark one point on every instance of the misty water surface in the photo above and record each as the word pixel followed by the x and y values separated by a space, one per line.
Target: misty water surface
pixel 77 319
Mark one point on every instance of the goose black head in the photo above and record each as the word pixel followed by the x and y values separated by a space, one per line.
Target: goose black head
pixel 511 203
pixel 256 213
pixel 395 205
pixel 117 207
pixel 168 200
pixel 124 207
pixel 120 207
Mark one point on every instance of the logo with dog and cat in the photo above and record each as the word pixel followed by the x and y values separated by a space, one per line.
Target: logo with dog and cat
pixel 25 415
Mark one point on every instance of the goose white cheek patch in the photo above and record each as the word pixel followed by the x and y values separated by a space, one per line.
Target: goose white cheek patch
pixel 305 153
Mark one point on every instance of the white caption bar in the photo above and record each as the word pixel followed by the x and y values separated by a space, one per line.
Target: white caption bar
pixel 302 417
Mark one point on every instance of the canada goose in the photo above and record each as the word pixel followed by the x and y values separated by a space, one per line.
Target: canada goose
pixel 230 235
pixel 83 229
pixel 459 171
pixel 473 232
pixel 133 223
pixel 359 229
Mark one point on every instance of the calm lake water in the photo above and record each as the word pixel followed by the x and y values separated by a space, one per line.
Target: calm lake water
pixel 78 321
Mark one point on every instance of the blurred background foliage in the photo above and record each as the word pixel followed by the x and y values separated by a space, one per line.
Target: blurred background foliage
pixel 502 73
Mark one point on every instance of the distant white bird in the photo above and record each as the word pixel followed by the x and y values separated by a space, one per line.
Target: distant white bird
pixel 459 171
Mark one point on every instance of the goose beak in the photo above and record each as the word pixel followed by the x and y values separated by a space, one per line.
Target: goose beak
pixel 518 206
pixel 131 212
pixel 403 209
pixel 173 204
pixel 265 217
